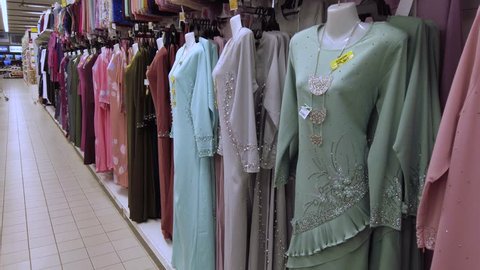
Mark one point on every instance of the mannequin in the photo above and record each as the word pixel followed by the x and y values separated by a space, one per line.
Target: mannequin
pixel 135 48
pixel 235 25
pixel 116 47
pixel 160 43
pixel 341 20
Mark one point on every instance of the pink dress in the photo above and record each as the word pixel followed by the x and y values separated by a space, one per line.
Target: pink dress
pixel 103 137
pixel 448 217
pixel 118 117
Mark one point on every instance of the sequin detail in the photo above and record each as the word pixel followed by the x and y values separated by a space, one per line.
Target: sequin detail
pixel 316 139
pixel 346 186
pixel 319 85
pixel 388 212
pixel 240 148
pixel 426 237
pixel 318 116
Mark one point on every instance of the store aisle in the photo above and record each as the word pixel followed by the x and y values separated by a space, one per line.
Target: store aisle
pixel 53 212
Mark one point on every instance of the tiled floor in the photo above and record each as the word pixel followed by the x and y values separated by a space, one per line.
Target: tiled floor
pixel 53 212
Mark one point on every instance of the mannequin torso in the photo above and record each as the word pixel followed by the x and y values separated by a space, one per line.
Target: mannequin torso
pixel 235 25
pixel 343 26
pixel 135 48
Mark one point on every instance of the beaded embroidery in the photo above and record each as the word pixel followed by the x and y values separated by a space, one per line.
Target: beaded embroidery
pixel 346 186
pixel 227 110
pixel 389 210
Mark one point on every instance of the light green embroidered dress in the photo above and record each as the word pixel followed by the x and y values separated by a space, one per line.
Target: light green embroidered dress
pixel 348 191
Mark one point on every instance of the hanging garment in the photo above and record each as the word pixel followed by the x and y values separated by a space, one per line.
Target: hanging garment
pixel 348 195
pixel 157 75
pixel 143 186
pixel 118 118
pixel 192 101
pixel 268 237
pixel 88 108
pixel 103 136
pixel 235 83
pixel 72 98
pixel 62 79
pixel 447 217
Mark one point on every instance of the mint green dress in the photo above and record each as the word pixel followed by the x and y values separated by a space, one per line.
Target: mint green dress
pixel 192 101
pixel 348 190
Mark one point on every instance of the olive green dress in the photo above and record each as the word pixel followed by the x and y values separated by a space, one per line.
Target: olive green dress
pixel 348 201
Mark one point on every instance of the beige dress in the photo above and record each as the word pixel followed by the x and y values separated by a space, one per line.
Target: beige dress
pixel 234 77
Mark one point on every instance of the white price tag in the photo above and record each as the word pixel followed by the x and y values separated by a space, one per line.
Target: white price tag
pixel 150 25
pixel 304 111
pixel 136 27
pixel 146 82
pixel 114 26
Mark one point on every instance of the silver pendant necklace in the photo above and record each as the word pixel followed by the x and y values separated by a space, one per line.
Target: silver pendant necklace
pixel 318 85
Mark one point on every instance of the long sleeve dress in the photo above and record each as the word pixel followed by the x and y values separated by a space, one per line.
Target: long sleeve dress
pixel 448 214
pixel 157 75
pixel 143 186
pixel 235 85
pixel 347 190
pixel 102 129
pixel 191 89
pixel 118 117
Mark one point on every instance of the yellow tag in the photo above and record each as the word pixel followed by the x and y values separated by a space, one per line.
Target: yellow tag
pixel 64 3
pixel 233 4
pixel 181 16
pixel 341 60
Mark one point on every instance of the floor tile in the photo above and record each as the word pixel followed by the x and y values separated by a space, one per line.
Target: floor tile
pixel 70 245
pixel 43 251
pixel 100 249
pixel 46 261
pixel 17 266
pixel 105 260
pixel 73 255
pixel 15 257
pixel 117 266
pixel 131 253
pixel 41 241
pixel 139 264
pixel 79 265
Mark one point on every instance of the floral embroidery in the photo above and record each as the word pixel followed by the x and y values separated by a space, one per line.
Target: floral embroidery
pixel 346 186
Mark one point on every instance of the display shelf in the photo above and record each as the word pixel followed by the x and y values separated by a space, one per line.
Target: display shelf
pixel 148 233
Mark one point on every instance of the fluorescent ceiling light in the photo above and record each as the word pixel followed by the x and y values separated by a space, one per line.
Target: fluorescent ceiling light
pixel 34 12
pixel 3 6
pixel 36 5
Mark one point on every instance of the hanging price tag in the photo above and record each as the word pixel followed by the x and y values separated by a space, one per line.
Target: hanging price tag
pixel 233 4
pixel 114 26
pixel 304 111
pixel 146 82
pixel 181 16
pixel 136 27
pixel 150 25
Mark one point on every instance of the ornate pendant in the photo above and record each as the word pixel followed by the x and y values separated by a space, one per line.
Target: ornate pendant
pixel 318 116
pixel 316 139
pixel 319 85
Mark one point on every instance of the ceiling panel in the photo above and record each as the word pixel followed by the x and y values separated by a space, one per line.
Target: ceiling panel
pixel 24 13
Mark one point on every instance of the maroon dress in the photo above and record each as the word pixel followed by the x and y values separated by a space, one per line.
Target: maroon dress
pixel 88 109
pixel 157 75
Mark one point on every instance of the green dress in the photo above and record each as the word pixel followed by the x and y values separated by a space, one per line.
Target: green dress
pixel 194 115
pixel 348 204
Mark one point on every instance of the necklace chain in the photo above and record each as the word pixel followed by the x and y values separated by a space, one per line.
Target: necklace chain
pixel 319 85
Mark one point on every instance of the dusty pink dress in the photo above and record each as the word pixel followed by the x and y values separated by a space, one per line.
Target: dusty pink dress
pixel 448 217
pixel 103 136
pixel 118 117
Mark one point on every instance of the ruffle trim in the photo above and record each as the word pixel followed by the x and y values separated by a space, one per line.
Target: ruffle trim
pixel 426 237
pixel 332 233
